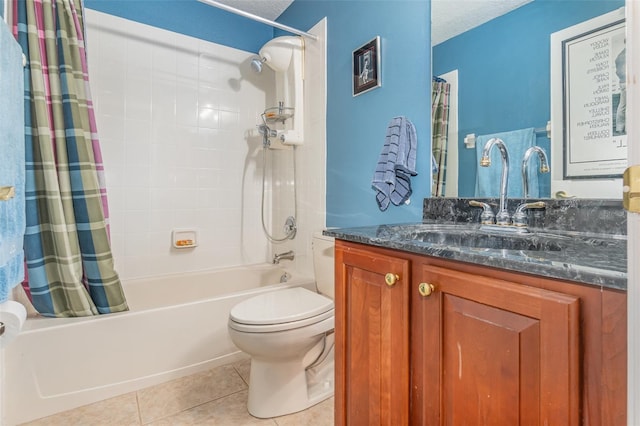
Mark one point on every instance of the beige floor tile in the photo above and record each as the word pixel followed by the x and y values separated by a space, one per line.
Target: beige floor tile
pixel 182 394
pixel 119 411
pixel 243 368
pixel 228 411
pixel 318 415
pixel 214 397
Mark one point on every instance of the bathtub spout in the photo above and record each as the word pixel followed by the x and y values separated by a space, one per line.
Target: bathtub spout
pixel 288 255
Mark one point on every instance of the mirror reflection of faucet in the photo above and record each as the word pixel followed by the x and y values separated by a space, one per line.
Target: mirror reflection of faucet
pixel 563 194
pixel 544 167
pixel 503 219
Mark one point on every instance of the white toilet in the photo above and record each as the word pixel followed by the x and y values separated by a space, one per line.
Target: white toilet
pixel 289 335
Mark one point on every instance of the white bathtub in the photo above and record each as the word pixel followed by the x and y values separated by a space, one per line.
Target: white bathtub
pixel 177 326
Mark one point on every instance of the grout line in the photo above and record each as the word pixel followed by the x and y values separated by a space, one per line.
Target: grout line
pixel 139 412
pixel 195 406
pixel 240 375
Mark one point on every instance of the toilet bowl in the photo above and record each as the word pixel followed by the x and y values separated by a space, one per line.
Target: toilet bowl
pixel 289 335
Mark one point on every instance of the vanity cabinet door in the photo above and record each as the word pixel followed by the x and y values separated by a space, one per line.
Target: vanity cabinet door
pixel 372 337
pixel 493 352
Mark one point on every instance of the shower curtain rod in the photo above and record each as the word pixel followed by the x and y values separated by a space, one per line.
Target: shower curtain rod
pixel 259 19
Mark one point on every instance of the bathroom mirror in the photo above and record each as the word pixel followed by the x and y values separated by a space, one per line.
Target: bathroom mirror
pixel 500 70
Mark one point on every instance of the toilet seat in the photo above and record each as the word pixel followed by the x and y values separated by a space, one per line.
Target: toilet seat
pixel 280 310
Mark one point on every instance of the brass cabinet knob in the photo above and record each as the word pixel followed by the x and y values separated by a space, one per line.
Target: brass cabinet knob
pixel 426 289
pixel 391 279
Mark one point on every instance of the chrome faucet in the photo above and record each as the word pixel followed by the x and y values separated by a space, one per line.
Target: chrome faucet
pixel 266 133
pixel 503 217
pixel 520 217
pixel 544 167
pixel 287 255
pixel 487 217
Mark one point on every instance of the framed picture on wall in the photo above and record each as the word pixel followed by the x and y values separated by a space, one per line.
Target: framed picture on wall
pixel 588 97
pixel 366 67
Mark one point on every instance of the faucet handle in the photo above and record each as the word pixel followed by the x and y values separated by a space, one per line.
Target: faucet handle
pixel 520 217
pixel 487 217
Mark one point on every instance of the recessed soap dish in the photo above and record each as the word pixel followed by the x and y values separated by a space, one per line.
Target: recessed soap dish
pixel 184 238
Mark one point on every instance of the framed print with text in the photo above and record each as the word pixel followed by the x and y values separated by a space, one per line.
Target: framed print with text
pixel 589 69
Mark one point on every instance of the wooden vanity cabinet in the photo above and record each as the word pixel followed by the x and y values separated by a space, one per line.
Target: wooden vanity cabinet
pixel 494 352
pixel 372 338
pixel 450 343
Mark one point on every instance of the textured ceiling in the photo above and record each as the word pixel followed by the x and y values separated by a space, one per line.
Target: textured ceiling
pixel 452 17
pixel 269 9
pixel 448 17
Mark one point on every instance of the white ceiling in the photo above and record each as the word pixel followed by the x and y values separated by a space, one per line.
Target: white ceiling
pixel 269 9
pixel 448 17
pixel 452 17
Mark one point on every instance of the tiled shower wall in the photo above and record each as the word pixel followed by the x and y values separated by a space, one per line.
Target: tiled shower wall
pixel 172 113
pixel 175 118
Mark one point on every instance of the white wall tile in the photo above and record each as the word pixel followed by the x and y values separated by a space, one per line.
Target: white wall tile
pixel 187 63
pixel 138 176
pixel 174 121
pixel 208 97
pixel 111 46
pixel 161 219
pixel 229 120
pixel 139 58
pixel 138 97
pixel 208 118
pixel 187 104
pixel 163 135
pixel 136 199
pixel 164 60
pixel 163 99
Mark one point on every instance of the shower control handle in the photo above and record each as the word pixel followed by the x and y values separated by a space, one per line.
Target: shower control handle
pixel 265 130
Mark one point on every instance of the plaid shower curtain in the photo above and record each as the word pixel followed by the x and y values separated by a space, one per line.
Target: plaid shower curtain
pixel 70 270
pixel 439 128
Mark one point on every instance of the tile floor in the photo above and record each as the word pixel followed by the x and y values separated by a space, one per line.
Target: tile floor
pixel 214 397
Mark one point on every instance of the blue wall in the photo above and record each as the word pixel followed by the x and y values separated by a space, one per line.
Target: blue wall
pixel 503 71
pixel 356 126
pixel 192 18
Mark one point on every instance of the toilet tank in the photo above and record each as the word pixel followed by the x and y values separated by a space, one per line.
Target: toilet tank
pixel 323 263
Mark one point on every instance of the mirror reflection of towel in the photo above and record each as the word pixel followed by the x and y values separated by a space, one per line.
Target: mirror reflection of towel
pixel 488 178
pixel 396 164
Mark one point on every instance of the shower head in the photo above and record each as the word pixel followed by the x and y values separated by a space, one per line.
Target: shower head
pixel 276 53
pixel 256 64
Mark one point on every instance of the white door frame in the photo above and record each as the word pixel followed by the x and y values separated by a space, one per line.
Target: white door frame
pixel 633 284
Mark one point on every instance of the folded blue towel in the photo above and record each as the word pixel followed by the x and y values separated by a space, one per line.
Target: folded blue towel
pixel 12 171
pixel 396 164
pixel 488 178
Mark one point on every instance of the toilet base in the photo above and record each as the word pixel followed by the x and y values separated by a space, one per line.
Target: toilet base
pixel 277 389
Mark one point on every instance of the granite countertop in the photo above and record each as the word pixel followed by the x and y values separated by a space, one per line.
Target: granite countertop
pixel 592 258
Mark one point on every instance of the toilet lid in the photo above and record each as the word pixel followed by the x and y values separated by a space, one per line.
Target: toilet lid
pixel 281 306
